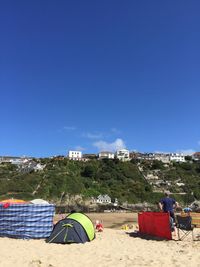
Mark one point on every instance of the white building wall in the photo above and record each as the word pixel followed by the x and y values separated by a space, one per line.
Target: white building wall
pixel 75 155
pixel 177 157
pixel 123 155
pixel 107 155
pixel 103 199
pixel 162 157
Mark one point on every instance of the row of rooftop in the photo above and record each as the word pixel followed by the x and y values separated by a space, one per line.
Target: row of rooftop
pixel 126 155
pixel 121 154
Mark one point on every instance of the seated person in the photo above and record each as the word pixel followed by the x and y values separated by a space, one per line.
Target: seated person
pixel 99 226
pixel 187 210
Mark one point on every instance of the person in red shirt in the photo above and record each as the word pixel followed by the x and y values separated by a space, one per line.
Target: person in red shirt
pixel 99 226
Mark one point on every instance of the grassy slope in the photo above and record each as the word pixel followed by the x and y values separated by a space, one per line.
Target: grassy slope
pixel 120 180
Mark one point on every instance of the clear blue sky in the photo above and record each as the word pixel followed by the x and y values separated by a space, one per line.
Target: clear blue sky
pixel 98 75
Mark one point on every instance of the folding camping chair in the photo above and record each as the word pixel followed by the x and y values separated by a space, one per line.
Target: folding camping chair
pixel 185 226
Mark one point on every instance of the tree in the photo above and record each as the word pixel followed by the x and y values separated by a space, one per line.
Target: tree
pixel 188 158
pixel 186 166
pixel 157 165
pixel 89 171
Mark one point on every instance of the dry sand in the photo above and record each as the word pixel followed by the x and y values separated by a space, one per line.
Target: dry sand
pixel 112 247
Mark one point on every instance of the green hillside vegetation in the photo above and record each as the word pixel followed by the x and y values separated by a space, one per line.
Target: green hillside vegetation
pixel 122 180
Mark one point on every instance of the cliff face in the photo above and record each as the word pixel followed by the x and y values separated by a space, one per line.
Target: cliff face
pixel 74 183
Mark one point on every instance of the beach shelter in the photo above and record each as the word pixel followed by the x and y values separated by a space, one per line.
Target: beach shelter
pixel 25 220
pixel 39 201
pixel 155 224
pixel 75 228
pixel 13 201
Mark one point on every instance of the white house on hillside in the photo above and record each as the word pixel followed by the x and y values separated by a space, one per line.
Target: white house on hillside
pixel 39 167
pixel 103 199
pixel 162 157
pixel 106 155
pixel 123 155
pixel 177 157
pixel 75 155
pixel 196 156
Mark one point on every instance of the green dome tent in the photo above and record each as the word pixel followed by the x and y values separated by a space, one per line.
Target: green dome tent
pixel 75 228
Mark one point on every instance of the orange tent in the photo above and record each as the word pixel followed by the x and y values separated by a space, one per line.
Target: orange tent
pixel 13 201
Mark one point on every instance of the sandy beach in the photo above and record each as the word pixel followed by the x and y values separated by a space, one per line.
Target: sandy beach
pixel 112 247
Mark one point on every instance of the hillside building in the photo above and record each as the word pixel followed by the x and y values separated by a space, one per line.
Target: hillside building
pixel 103 199
pixel 123 155
pixel 75 155
pixel 196 156
pixel 177 157
pixel 106 155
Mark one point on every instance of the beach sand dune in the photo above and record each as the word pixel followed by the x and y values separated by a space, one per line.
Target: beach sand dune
pixel 112 247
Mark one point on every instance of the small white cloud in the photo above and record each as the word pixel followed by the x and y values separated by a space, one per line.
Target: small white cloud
pixel 69 128
pixel 93 135
pixel 186 151
pixel 115 131
pixel 80 148
pixel 105 146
